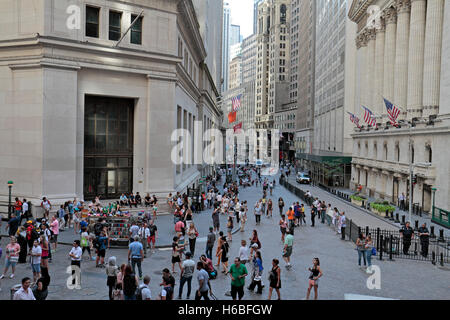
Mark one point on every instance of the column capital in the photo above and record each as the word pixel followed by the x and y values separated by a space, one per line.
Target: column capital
pixel 403 6
pixel 390 15
pixel 382 26
pixel 361 40
pixel 371 34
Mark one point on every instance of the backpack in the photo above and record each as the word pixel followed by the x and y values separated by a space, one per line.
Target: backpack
pixel 98 228
pixel 129 285
pixel 169 291
pixel 96 243
pixel 139 293
pixel 34 234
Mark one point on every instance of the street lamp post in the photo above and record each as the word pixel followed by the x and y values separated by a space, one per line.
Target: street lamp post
pixel 10 185
pixel 434 197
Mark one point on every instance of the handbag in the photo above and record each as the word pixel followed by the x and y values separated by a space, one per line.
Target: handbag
pixel 374 251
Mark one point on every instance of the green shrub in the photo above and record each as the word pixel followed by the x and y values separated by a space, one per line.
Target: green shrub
pixel 381 207
pixel 357 198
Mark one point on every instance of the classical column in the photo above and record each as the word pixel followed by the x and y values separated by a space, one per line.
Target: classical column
pixel 371 35
pixel 390 19
pixel 379 69
pixel 433 52
pixel 415 60
pixel 401 55
pixel 363 39
pixel 360 72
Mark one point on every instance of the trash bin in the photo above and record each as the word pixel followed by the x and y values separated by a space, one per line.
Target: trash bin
pixel 14 289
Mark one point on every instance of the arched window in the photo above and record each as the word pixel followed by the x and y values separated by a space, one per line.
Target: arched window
pixel 283 14
pixel 385 155
pixel 429 153
pixel 375 151
pixel 397 153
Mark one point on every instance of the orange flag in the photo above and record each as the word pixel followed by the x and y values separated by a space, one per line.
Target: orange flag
pixel 232 117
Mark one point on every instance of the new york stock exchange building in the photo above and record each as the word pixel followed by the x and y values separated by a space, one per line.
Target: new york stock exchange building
pixel 403 55
pixel 88 107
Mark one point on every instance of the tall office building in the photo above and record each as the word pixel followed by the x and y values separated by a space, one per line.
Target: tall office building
pixel 273 60
pixel 255 15
pixel 235 34
pixel 302 76
pixel 225 45
pixel 334 94
pixel 209 15
pixel 272 81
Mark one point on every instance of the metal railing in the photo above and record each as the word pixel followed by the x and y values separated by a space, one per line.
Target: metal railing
pixel 390 244
pixel 441 217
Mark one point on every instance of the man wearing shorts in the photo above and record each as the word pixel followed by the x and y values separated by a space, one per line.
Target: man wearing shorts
pixel 287 250
pixel 101 251
pixel 36 254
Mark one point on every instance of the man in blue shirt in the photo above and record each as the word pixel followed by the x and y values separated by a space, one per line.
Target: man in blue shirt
pixel 136 255
pixel 101 250
pixel 297 213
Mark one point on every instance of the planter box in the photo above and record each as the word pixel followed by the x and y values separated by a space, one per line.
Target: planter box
pixel 357 202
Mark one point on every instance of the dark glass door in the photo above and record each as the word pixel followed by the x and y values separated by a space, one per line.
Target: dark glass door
pixel 108 147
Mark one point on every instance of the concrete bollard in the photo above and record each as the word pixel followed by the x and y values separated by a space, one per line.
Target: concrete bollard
pixel 416 225
pixel 397 220
pixel 441 235
pixel 432 235
pixel 403 220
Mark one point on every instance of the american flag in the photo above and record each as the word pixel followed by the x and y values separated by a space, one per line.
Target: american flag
pixel 392 111
pixel 236 102
pixel 354 119
pixel 369 118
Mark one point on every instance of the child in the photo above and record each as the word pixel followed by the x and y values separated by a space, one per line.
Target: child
pixel 118 292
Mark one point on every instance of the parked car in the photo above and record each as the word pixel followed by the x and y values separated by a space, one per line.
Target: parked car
pixel 303 178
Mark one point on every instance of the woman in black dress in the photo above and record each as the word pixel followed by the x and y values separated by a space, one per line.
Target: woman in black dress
pixel 22 241
pixel 275 279
pixel 224 251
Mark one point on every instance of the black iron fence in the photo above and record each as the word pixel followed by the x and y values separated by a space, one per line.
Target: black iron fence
pixel 390 244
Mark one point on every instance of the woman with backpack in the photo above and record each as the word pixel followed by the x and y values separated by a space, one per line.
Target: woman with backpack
pixel 130 284
pixel 86 242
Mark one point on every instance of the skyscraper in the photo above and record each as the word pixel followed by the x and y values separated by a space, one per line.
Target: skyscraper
pixel 303 57
pixel 235 34
pixel 255 16
pixel 225 45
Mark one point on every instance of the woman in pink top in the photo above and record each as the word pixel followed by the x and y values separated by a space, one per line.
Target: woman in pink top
pixel 12 256
pixel 54 226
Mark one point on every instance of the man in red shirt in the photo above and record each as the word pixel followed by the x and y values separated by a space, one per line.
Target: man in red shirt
pixel 18 207
pixel 179 226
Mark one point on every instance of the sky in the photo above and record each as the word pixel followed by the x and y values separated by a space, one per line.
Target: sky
pixel 242 15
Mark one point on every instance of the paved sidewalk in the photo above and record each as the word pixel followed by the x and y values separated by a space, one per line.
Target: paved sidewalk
pixel 364 217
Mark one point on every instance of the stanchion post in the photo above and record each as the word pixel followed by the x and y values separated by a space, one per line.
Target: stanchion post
pixel 391 240
pixel 381 247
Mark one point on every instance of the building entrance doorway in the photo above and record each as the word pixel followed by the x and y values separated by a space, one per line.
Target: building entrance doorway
pixel 108 147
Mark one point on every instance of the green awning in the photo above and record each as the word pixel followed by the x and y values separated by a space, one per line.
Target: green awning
pixel 328 160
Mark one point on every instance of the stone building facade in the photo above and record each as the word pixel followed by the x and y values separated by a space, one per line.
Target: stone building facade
pixel 83 116
pixel 404 56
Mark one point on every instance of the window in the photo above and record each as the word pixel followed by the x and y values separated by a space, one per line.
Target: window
pixel 92 21
pixel 136 30
pixel 283 14
pixel 115 21
pixel 429 153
